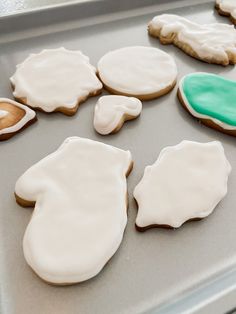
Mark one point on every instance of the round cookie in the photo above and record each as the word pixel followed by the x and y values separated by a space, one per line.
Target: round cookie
pixel 142 72
pixel 55 80
pixel 227 8
pixel 186 182
pixel 80 198
pixel 14 117
pixel 112 111
pixel 211 99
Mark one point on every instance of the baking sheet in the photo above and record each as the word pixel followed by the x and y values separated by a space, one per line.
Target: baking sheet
pixel 157 271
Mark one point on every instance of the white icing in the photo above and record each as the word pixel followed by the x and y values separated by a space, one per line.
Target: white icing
pixel 3 113
pixel 209 41
pixel 55 78
pixel 137 70
pixel 29 115
pixel 199 115
pixel 80 213
pixel 187 181
pixel 228 6
pixel 110 110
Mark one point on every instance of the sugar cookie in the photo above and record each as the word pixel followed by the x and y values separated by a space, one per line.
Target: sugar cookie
pixel 112 111
pixel 55 80
pixel 142 72
pixel 212 43
pixel 210 98
pixel 80 198
pixel 185 183
pixel 227 8
pixel 14 117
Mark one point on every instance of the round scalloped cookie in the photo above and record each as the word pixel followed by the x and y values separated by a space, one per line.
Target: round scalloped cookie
pixel 142 72
pixel 55 80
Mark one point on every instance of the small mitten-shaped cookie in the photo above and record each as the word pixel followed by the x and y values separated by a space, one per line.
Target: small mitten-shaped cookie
pixel 112 111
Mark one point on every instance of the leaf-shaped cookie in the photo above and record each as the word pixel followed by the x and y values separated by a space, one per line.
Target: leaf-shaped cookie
pixel 186 182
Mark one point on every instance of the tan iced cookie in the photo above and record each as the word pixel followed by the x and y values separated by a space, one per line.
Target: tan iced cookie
pixel 14 117
pixel 112 111
pixel 55 80
pixel 212 43
pixel 142 72
pixel 227 8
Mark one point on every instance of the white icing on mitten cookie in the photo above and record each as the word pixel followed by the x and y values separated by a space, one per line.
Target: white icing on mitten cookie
pixel 13 117
pixel 142 72
pixel 80 214
pixel 55 80
pixel 213 43
pixel 186 182
pixel 227 7
pixel 112 111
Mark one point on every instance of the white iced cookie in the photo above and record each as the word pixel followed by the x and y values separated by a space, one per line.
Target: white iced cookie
pixel 80 198
pixel 228 8
pixel 112 111
pixel 213 43
pixel 14 117
pixel 55 80
pixel 142 72
pixel 186 182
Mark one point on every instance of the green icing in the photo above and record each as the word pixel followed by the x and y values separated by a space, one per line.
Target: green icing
pixel 211 95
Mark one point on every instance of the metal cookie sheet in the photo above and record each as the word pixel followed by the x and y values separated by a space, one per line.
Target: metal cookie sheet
pixel 159 271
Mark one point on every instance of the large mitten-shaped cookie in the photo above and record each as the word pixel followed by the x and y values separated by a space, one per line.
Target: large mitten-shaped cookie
pixel 227 8
pixel 80 214
pixel 213 43
pixel 55 80
pixel 14 117
pixel 186 182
